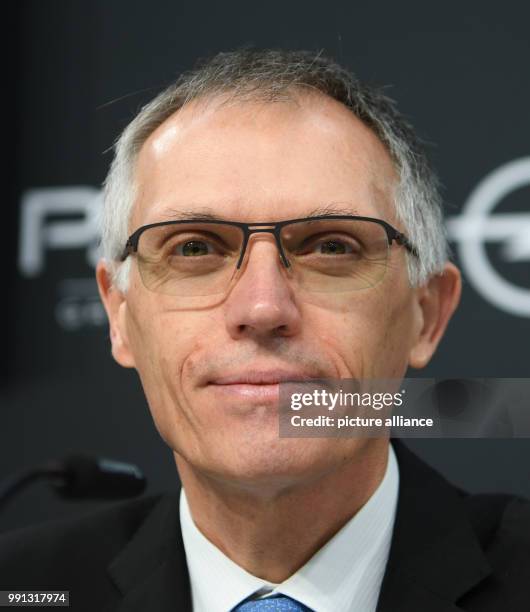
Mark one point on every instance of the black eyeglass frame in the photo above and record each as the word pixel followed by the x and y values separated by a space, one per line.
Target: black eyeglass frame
pixel 274 227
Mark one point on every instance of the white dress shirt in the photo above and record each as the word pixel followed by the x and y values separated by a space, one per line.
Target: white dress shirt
pixel 344 575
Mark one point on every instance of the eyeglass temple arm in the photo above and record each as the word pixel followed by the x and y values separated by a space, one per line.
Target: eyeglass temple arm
pixel 129 248
pixel 404 241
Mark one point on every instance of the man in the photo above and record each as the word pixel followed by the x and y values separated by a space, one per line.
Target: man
pixel 268 219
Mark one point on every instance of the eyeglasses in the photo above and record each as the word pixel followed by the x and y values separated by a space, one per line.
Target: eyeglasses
pixel 201 257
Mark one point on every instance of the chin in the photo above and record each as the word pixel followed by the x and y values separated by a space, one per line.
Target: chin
pixel 278 464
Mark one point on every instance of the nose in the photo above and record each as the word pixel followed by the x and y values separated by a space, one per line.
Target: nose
pixel 262 302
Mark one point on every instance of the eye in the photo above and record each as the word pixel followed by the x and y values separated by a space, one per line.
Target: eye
pixel 334 247
pixel 193 248
pixel 330 245
pixel 188 245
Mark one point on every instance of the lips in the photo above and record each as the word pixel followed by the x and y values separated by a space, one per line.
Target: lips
pixel 261 385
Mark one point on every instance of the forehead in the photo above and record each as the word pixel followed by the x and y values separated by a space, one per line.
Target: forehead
pixel 252 161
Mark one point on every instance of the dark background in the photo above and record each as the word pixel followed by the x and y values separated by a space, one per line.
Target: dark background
pixel 80 70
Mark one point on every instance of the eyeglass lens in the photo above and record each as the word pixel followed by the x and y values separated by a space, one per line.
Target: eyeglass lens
pixel 198 259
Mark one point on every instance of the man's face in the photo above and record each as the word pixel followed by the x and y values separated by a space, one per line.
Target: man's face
pixel 257 162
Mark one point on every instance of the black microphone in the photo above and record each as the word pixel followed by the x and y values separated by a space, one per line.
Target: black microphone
pixel 80 477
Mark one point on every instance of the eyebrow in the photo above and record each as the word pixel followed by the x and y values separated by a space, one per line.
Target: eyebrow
pixel 332 209
pixel 208 213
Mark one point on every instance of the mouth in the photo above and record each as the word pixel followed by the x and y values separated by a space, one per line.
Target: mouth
pixel 261 385
pixel 260 392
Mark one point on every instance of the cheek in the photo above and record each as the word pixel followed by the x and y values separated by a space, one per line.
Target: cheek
pixel 394 337
pixel 145 339
pixel 369 337
pixel 166 344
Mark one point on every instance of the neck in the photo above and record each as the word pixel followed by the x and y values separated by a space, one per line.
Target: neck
pixel 271 536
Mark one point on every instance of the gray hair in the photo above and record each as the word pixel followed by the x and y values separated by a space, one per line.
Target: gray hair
pixel 271 75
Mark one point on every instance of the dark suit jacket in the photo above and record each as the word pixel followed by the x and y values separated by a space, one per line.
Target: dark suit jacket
pixel 450 551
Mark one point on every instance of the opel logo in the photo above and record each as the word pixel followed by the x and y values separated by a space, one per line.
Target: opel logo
pixel 477 225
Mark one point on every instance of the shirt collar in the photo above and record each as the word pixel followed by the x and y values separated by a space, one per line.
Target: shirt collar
pixel 348 567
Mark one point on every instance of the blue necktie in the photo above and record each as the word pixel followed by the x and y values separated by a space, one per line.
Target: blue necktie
pixel 275 603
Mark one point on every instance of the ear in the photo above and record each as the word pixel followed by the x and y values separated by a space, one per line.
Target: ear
pixel 115 304
pixel 437 300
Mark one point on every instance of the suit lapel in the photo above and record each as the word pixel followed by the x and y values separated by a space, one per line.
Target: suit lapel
pixel 151 571
pixel 435 557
